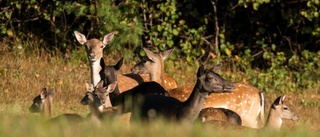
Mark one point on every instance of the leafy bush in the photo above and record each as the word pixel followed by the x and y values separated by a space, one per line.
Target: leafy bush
pixel 278 41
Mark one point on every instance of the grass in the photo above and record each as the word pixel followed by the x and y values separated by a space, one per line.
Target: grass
pixel 24 76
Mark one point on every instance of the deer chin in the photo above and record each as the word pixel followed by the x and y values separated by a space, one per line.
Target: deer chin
pixel 138 71
pixel 93 60
pixel 217 89
pixel 34 109
pixel 295 118
pixel 227 89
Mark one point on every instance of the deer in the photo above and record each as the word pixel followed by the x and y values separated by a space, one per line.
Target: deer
pixel 219 114
pixel 42 104
pixel 98 100
pixel 247 101
pixel 101 94
pixel 154 106
pixel 126 99
pixel 94 50
pixel 278 112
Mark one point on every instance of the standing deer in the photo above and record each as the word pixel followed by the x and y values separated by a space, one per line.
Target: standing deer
pixel 157 106
pixel 94 49
pixel 245 100
pixel 43 104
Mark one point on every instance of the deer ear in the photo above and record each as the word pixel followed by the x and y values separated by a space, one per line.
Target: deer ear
pixel 119 64
pixel 200 70
pixel 216 68
pixel 89 87
pixel 278 101
pixel 80 37
pixel 51 93
pixel 43 93
pixel 166 54
pixel 112 87
pixel 107 38
pixel 150 54
pixel 282 99
pixel 100 84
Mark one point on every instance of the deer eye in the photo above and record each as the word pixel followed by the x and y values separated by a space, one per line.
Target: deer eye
pixel 285 108
pixel 95 95
pixel 144 60
pixel 210 78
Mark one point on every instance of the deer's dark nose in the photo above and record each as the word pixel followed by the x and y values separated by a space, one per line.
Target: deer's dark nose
pixel 103 101
pixel 229 87
pixel 92 56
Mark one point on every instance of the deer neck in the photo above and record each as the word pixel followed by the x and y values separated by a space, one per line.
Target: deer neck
pixel 192 106
pixel 95 71
pixel 157 76
pixel 96 112
pixel 106 105
pixel 274 120
pixel 47 108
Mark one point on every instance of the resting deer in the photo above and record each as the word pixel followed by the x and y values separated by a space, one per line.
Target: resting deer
pixel 278 111
pixel 245 100
pixel 101 93
pixel 219 114
pixel 98 100
pixel 158 106
pixel 43 104
pixel 126 99
pixel 94 49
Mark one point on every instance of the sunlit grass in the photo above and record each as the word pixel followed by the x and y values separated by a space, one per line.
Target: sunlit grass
pixel 22 78
pixel 38 127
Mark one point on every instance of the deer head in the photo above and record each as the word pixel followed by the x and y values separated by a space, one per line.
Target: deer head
pixel 94 47
pixel 43 102
pixel 152 64
pixel 212 81
pixel 278 111
pixel 99 95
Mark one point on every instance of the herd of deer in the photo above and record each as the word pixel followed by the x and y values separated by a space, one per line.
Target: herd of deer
pixel 149 94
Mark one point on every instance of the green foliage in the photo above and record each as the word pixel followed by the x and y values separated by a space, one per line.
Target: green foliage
pixel 255 36
pixel 166 26
pixel 53 22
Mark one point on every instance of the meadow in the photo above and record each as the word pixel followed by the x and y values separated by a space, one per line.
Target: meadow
pixel 23 75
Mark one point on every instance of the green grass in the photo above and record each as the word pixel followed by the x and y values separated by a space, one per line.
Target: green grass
pixel 34 126
pixel 23 76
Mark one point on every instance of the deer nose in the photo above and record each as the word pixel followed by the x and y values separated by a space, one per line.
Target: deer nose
pixel 295 117
pixel 233 86
pixel 103 101
pixel 229 87
pixel 91 56
pixel 134 70
pixel 84 102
